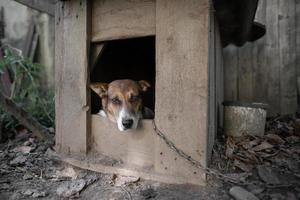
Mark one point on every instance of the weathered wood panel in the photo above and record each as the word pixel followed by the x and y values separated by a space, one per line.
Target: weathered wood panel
pixel 297 7
pixel 116 19
pixel 216 82
pixel 230 73
pixel 182 32
pixel 287 52
pixel 71 74
pixel 265 70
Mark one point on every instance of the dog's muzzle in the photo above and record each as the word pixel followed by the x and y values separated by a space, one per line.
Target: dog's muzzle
pixel 127 123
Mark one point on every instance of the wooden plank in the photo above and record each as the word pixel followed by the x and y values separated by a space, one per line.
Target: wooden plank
pixel 219 76
pixel 287 57
pixel 260 68
pixel 272 57
pixel 298 38
pixel 59 63
pixel 212 121
pixel 116 19
pixel 135 147
pixel 72 77
pixel 47 6
pixel 182 31
pixel 245 73
pixel 230 73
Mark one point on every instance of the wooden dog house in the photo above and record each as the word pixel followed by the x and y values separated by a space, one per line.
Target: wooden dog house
pixel 187 90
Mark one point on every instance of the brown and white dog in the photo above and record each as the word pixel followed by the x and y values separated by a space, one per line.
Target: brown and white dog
pixel 122 102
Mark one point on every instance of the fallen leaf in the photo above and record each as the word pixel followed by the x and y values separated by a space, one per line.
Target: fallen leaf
pixel 263 146
pixel 241 165
pixel 239 176
pixel 230 147
pixel 274 139
pixel 123 180
pixel 23 149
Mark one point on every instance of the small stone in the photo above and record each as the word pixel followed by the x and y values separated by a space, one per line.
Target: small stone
pixel 240 193
pixel 70 188
pixel 268 175
pixel 20 160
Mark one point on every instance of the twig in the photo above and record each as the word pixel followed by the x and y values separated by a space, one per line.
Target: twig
pixel 127 192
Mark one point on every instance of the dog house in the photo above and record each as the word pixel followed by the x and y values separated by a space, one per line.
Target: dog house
pixel 188 86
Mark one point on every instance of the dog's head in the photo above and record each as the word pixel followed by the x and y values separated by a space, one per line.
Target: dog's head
pixel 121 101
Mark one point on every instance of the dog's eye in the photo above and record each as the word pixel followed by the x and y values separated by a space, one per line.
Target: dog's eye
pixel 116 101
pixel 134 98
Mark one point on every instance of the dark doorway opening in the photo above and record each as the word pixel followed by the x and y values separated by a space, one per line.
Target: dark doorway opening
pixel 126 59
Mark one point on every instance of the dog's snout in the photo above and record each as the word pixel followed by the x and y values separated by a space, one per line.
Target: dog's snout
pixel 127 123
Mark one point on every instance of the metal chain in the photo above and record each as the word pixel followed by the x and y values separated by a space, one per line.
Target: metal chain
pixel 192 161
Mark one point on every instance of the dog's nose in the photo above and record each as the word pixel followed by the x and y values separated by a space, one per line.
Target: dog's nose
pixel 127 123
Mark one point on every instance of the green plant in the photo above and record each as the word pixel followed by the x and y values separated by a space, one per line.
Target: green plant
pixel 26 90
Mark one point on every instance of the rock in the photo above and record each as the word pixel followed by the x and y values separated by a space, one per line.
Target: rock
pixel 19 160
pixel 70 188
pixel 240 193
pixel 268 175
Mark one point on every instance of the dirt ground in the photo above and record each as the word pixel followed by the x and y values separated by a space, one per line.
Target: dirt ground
pixel 267 168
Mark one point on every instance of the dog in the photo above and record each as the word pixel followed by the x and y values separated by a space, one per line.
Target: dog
pixel 122 102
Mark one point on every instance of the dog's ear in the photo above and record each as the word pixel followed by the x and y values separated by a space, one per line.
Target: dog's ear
pixel 144 85
pixel 100 89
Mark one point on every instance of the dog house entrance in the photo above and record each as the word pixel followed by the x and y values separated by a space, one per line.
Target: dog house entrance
pixel 125 59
